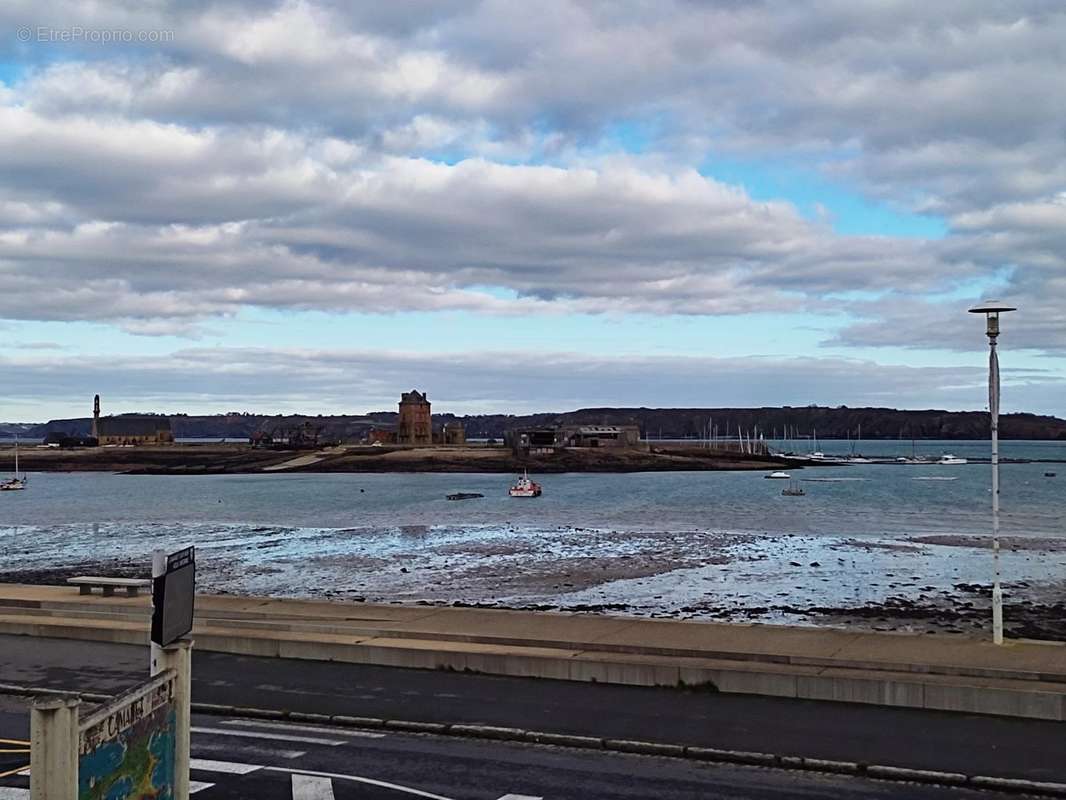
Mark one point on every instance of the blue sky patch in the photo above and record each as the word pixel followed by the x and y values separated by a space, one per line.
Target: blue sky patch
pixel 819 199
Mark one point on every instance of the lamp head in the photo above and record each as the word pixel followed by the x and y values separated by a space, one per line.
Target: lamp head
pixel 992 309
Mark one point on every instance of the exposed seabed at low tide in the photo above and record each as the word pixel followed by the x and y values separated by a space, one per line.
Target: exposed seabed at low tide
pixel 921 583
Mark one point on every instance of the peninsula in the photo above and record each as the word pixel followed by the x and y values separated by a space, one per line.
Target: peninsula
pixel 220 459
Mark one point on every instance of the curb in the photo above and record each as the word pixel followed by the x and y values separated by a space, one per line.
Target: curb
pixel 706 754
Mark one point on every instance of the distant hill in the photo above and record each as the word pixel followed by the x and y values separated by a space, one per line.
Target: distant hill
pixel 669 423
pixel 827 423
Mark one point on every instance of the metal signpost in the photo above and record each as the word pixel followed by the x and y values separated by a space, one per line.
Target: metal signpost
pixel 173 602
pixel 136 746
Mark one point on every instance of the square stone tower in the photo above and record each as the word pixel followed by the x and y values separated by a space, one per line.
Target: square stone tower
pixel 416 423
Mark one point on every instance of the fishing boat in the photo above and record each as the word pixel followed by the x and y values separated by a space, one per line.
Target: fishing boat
pixel 524 487
pixel 792 490
pixel 15 483
pixel 778 476
pixel 950 460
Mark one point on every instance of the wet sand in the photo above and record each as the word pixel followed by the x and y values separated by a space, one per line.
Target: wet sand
pixel 928 583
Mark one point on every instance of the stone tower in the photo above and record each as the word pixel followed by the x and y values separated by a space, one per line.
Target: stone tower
pixel 96 417
pixel 416 423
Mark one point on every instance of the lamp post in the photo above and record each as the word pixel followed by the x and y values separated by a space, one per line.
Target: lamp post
pixel 992 309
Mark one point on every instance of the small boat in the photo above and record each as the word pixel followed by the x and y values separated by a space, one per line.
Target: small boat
pixel 778 476
pixel 792 490
pixel 15 483
pixel 524 487
pixel 950 460
pixel 464 496
pixel 1049 474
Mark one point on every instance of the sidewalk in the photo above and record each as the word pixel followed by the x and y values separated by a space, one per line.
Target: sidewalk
pixel 956 673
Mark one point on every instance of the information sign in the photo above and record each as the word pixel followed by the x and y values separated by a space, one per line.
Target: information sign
pixel 173 598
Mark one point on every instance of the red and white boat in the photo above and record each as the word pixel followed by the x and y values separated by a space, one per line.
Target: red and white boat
pixel 524 487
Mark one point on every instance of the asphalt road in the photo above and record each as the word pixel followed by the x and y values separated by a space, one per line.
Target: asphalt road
pixel 235 759
pixel 901 737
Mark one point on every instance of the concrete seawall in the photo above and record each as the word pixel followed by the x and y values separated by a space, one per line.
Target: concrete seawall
pixel 950 673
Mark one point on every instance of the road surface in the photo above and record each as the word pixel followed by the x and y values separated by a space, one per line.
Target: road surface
pixel 900 737
pixel 237 759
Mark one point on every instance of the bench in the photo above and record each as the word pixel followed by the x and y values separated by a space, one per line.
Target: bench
pixel 86 583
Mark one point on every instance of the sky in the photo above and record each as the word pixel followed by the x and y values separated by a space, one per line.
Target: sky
pixel 313 206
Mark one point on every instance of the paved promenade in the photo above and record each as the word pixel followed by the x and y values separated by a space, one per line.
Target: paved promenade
pixel 947 672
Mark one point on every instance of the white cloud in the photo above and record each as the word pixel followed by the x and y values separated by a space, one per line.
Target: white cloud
pixel 273 155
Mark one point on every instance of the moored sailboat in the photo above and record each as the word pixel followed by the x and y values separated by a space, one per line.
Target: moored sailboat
pixel 15 483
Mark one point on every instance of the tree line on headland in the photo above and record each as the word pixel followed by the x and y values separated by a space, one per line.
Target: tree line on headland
pixel 797 423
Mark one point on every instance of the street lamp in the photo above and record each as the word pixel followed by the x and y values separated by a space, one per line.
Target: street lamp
pixel 992 309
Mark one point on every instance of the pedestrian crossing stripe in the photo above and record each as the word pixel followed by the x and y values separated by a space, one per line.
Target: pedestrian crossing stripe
pixel 228 767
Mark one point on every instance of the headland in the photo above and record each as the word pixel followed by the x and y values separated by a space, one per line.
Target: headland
pixel 228 458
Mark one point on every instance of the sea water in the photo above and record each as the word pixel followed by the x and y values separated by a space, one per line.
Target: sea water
pixel 654 541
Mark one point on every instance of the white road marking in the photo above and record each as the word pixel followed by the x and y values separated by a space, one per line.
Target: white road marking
pixel 198 786
pixel 247 750
pixel 359 779
pixel 311 787
pixel 229 767
pixel 264 735
pixel 11 793
pixel 285 726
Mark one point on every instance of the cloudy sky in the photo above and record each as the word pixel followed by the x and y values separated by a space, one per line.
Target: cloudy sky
pixel 212 206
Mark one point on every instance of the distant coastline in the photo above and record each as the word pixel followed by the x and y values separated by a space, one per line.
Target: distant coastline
pixel 798 424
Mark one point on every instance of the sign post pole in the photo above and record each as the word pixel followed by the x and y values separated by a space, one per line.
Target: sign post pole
pixel 173 601
pixel 159 570
pixel 178 657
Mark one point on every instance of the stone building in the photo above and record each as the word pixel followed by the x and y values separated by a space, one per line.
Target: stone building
pixel 603 436
pixel 453 433
pixel 415 425
pixel 380 435
pixel 130 428
pixel 555 438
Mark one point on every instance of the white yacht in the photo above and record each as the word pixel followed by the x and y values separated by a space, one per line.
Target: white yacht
pixel 779 476
pixel 950 460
